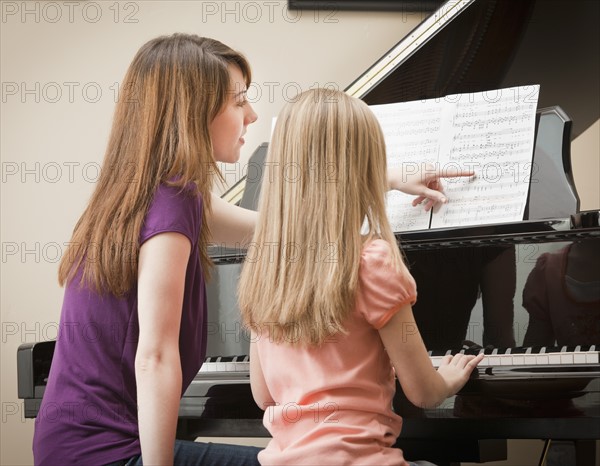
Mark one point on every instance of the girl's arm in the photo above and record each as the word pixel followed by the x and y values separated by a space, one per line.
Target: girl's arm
pixel 260 391
pixel 422 384
pixel 230 225
pixel 161 280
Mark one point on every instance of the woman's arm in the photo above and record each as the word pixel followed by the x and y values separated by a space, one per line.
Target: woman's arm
pixel 260 391
pixel 233 226
pixel 422 384
pixel 230 225
pixel 424 181
pixel 161 281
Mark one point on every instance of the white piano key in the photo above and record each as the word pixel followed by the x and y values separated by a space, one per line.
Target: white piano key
pixel 220 366
pixel 566 358
pixel 208 367
pixel 436 361
pixel 230 366
pixel 530 359
pixel 506 360
pixel 494 361
pixel 484 362
pixel 518 360
pixel 579 357
pixel 541 359
pixel 242 366
pixel 554 358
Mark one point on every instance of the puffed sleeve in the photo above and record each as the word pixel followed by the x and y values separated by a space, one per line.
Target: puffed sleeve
pixel 382 289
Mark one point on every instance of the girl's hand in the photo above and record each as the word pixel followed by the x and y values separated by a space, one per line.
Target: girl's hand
pixel 455 370
pixel 423 180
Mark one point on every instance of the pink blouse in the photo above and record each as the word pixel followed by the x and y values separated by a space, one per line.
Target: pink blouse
pixel 334 402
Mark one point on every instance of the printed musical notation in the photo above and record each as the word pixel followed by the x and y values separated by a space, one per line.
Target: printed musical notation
pixel 411 132
pixel 491 133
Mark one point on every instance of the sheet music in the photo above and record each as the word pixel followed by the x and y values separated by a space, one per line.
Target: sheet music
pixel 489 132
pixel 411 132
pixel 492 133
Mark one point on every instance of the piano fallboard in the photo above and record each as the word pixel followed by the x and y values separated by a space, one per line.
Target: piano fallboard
pixel 490 406
pixel 558 392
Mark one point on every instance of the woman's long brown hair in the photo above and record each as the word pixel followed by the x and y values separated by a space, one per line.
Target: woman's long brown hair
pixel 173 89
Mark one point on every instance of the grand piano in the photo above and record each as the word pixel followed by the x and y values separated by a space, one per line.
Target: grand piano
pixel 526 294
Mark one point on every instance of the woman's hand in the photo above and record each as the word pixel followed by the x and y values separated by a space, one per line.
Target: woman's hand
pixel 423 181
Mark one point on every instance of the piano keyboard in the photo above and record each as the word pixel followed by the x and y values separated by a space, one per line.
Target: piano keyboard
pixel 227 365
pixel 531 356
pixel 554 356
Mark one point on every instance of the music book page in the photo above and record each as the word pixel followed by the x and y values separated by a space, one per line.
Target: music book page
pixel 491 133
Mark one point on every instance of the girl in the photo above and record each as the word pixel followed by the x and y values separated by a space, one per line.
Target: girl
pixel 133 323
pixel 329 307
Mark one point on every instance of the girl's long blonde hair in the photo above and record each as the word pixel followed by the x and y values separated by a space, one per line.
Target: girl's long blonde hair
pixel 324 177
pixel 173 89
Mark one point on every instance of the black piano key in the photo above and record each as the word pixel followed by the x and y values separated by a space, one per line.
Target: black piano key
pixel 233 358
pixel 468 345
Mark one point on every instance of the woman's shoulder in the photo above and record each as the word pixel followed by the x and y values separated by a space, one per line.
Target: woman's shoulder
pixel 188 190
pixel 173 208
pixel 173 197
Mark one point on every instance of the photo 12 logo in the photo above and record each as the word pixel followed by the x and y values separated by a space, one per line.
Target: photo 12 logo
pixel 53 92
pixel 69 12
pixel 267 11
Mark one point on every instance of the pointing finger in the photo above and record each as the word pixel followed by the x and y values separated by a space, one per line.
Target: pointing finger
pixel 454 173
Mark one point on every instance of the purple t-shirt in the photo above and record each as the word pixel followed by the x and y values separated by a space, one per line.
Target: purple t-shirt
pixel 89 411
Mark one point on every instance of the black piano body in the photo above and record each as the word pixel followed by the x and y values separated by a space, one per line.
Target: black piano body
pixel 535 384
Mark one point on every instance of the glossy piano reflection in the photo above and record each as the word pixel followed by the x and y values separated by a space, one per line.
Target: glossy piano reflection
pixel 562 296
pixel 451 281
pixel 525 295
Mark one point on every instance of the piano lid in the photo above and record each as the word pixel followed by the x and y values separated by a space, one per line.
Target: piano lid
pixel 476 45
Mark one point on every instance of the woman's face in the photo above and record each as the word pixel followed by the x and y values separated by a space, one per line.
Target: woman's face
pixel 229 126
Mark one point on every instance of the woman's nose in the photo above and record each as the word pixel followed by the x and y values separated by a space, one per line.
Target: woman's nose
pixel 251 115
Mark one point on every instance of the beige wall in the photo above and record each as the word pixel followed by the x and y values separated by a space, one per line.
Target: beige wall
pixel 60 63
pixel 586 167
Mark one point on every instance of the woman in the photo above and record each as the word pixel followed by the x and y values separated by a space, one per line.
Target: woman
pixel 133 323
